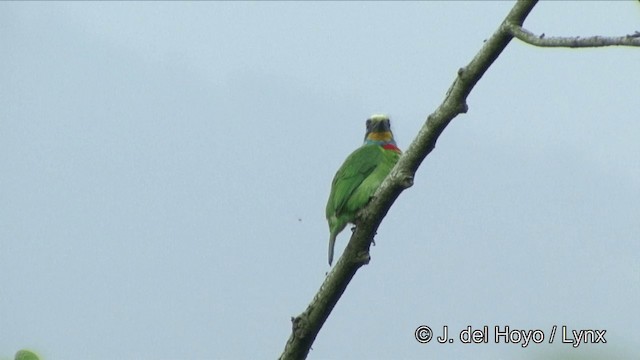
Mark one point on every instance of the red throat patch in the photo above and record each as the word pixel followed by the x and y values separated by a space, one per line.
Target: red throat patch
pixel 391 147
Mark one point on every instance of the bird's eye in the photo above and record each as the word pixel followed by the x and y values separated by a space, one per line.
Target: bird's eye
pixel 368 123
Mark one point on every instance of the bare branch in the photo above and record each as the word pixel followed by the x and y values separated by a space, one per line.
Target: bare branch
pixel 305 327
pixel 571 42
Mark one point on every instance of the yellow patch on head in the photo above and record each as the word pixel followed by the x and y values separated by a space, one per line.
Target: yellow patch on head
pixel 380 136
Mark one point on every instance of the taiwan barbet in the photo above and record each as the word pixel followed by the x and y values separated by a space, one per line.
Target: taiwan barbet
pixel 360 176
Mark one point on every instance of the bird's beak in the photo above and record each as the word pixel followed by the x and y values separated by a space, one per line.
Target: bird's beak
pixel 379 126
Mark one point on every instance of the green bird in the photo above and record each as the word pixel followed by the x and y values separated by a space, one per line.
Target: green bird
pixel 360 176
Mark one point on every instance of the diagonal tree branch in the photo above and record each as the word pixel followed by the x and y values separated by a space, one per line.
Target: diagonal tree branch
pixel 305 327
pixel 571 42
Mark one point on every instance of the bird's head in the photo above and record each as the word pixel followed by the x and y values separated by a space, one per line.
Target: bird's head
pixel 379 130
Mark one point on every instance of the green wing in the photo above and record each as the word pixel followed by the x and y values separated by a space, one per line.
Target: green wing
pixel 360 164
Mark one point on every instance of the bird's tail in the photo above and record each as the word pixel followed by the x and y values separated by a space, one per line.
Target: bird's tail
pixel 332 243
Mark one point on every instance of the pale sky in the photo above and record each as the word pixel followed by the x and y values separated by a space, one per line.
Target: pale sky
pixel 165 169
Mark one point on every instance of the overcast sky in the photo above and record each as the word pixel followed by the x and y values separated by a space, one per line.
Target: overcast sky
pixel 165 168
